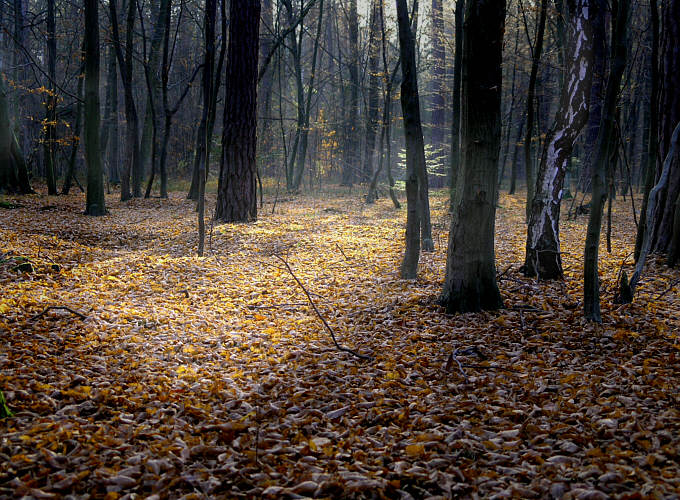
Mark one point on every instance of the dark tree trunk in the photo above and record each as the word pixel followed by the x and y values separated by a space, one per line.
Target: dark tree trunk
pixel 652 112
pixel 438 86
pixel 543 258
pixel 236 192
pixel 455 121
pixel 352 154
pixel 598 13
pixel 605 146
pixel 132 163
pixel 515 151
pixel 669 116
pixel 51 102
pixel 75 142
pixel 415 147
pixel 95 201
pixel 531 107
pixel 372 101
pixel 208 89
pixel 470 283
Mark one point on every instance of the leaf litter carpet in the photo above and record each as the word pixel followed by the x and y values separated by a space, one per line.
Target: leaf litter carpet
pixel 213 378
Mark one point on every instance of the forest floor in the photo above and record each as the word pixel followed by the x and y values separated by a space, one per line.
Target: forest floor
pixel 212 377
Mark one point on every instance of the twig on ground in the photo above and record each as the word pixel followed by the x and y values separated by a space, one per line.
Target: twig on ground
pixel 316 310
pixel 342 252
pixel 670 287
pixel 500 276
pixel 276 306
pixel 59 308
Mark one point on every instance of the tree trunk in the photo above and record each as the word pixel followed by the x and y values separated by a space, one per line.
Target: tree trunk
pixel 352 154
pixel 470 283
pixel 543 258
pixel 455 121
pixel 605 145
pixel 415 147
pixel 373 89
pixel 13 172
pixel 95 202
pixel 75 142
pixel 531 107
pixel 236 192
pixel 670 115
pixel 438 86
pixel 208 89
pixel 650 159
pixel 51 102
pixel 132 166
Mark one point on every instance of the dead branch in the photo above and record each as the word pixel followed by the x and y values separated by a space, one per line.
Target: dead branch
pixel 59 308
pixel 342 252
pixel 670 287
pixel 316 310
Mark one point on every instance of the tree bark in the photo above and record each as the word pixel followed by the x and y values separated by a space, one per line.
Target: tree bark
pixel 132 164
pixel 51 102
pixel 95 202
pixel 352 155
pixel 669 116
pixel 236 192
pixel 455 121
pixel 415 147
pixel 543 257
pixel 650 158
pixel 531 107
pixel 605 144
pixel 470 283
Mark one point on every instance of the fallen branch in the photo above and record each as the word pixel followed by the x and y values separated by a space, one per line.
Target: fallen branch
pixel 59 308
pixel 670 287
pixel 316 310
pixel 342 252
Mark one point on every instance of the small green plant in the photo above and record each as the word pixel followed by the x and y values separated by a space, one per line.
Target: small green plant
pixel 5 412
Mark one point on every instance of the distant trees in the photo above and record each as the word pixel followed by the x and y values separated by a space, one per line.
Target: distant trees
pixel 470 283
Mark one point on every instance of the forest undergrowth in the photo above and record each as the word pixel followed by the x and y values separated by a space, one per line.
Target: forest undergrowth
pixel 213 377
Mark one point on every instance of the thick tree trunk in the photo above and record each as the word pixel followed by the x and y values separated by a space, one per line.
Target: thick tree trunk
pixel 470 283
pixel 652 114
pixel 543 258
pixel 531 107
pixel 605 146
pixel 670 115
pixel 95 201
pixel 236 192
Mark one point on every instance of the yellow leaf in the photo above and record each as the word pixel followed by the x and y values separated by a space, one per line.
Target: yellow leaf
pixel 415 450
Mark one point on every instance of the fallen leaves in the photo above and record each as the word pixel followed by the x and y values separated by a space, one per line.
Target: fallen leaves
pixel 212 377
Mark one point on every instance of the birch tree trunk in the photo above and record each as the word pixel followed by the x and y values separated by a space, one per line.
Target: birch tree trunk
pixel 543 258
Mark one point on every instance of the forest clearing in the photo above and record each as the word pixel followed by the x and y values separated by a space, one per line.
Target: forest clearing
pixel 213 377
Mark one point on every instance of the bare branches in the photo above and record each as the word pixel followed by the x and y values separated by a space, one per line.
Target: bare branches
pixel 316 310
pixel 59 308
